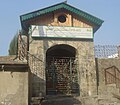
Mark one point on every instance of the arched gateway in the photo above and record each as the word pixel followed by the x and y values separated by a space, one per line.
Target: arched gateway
pixel 61 70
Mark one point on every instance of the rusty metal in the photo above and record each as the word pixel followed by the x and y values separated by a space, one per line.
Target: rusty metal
pixel 106 51
pixel 112 76
pixel 61 75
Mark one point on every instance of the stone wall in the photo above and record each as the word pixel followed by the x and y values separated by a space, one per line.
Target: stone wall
pixel 86 63
pixel 103 64
pixel 13 83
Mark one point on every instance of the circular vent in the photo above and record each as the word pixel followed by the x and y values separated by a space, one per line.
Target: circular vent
pixel 62 18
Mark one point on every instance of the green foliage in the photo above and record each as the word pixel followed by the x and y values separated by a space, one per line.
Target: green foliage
pixel 13 48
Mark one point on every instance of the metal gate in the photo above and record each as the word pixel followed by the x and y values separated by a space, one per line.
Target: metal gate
pixel 61 75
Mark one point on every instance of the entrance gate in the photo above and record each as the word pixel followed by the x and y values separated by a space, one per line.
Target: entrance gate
pixel 61 75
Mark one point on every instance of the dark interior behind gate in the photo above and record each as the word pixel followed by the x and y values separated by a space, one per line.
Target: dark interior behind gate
pixel 61 70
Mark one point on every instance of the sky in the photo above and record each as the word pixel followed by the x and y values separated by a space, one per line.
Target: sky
pixel 107 10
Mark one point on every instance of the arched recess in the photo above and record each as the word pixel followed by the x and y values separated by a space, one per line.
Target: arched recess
pixel 61 70
pixel 61 50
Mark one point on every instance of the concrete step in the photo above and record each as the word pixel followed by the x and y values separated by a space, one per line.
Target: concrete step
pixel 69 100
pixel 60 100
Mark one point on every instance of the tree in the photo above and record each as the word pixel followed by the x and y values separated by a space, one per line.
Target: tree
pixel 13 47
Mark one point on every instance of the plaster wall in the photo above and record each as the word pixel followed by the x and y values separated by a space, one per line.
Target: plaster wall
pixel 13 88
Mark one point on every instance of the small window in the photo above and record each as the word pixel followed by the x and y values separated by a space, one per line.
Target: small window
pixel 62 18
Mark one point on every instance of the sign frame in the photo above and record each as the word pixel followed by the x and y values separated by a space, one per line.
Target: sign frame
pixel 61 32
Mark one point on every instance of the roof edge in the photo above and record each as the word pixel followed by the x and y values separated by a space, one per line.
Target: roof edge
pixel 90 18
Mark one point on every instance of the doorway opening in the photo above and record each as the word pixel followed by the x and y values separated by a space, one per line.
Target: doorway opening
pixel 61 70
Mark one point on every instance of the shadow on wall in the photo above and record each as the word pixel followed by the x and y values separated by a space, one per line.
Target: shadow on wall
pixel 38 85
